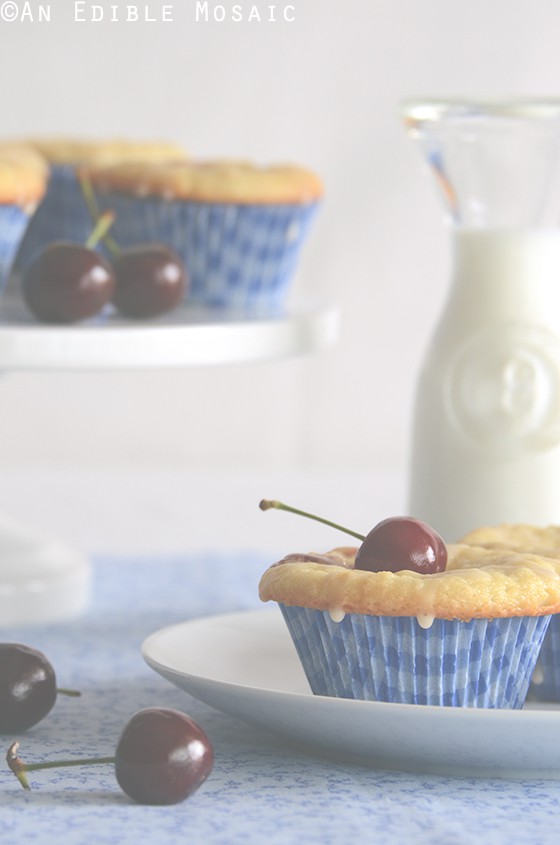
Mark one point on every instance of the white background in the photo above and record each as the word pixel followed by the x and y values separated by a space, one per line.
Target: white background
pixel 324 91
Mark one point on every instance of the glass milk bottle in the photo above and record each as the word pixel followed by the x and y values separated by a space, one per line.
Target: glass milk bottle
pixel 486 429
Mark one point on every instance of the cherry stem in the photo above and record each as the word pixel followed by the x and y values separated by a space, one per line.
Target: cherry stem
pixel 100 229
pixel 20 769
pixel 74 693
pixel 95 212
pixel 267 504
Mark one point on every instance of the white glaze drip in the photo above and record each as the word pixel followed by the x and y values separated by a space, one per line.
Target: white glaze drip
pixel 425 620
pixel 337 614
pixel 538 675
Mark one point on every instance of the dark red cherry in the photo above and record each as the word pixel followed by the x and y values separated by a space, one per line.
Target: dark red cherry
pixel 162 757
pixel 67 283
pixel 402 543
pixel 150 280
pixel 399 542
pixel 27 687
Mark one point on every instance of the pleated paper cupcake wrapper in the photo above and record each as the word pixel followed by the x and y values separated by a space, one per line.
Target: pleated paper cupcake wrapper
pixel 13 223
pixel 61 216
pixel 545 684
pixel 237 256
pixel 481 663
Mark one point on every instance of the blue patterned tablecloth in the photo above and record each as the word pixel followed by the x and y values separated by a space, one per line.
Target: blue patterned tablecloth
pixel 260 791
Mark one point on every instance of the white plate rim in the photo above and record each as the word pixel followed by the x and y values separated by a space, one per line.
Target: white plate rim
pixel 535 721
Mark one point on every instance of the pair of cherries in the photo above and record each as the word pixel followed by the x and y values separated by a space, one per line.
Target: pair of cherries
pixel 394 544
pixel 70 282
pixel 162 755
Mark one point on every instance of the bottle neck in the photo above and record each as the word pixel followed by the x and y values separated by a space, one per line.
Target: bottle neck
pixel 506 274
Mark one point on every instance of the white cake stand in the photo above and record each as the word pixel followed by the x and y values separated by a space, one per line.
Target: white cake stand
pixel 41 580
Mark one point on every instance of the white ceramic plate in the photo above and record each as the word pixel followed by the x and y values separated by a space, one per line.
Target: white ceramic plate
pixel 187 336
pixel 244 664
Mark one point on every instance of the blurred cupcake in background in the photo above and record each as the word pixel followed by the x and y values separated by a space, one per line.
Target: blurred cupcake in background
pixel 23 182
pixel 238 227
pixel 63 214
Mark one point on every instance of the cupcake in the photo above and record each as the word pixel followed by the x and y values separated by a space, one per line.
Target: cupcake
pixel 63 214
pixel 238 228
pixel 545 684
pixel 467 636
pixel 23 180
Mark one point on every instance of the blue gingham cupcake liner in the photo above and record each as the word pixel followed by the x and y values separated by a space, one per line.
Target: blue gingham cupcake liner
pixel 545 684
pixel 237 256
pixel 13 224
pixel 61 216
pixel 482 663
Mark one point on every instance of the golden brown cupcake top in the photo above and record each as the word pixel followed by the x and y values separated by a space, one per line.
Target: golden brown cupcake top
pixel 210 181
pixel 520 536
pixel 477 583
pixel 75 151
pixel 23 176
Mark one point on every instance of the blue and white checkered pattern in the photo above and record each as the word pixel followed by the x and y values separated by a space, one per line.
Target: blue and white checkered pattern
pixel 236 256
pixel 545 685
pixel 61 216
pixel 481 663
pixel 13 223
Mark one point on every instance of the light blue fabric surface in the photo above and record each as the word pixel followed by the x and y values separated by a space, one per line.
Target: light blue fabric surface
pixel 260 791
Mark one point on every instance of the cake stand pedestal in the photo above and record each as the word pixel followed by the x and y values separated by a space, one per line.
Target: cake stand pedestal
pixel 42 580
